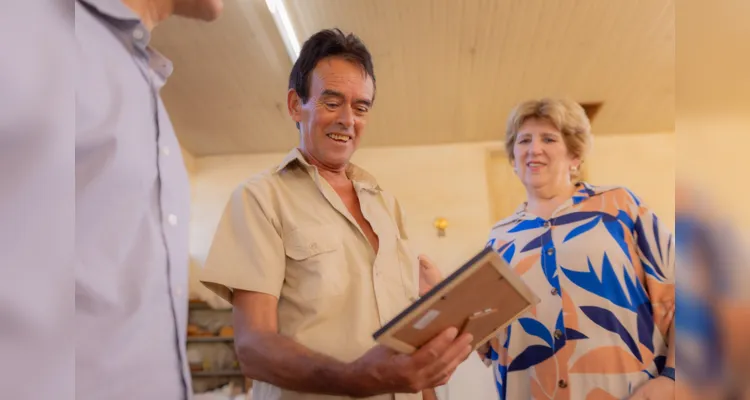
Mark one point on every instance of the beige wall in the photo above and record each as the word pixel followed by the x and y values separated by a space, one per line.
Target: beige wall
pixel 645 163
pixel 446 181
pixel 712 158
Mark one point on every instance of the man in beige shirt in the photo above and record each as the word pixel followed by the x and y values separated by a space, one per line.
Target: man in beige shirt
pixel 314 257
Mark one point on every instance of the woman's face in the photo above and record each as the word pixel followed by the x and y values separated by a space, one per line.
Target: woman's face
pixel 541 157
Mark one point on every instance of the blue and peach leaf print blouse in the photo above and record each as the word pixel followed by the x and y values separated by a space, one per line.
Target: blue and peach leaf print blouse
pixel 603 266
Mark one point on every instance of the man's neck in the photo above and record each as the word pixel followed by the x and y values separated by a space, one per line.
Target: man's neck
pixel 335 176
pixel 337 179
pixel 151 12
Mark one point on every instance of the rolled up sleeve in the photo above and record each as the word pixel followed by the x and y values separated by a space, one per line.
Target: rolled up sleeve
pixel 247 252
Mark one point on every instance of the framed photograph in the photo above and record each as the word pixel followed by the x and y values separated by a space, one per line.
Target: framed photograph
pixel 481 297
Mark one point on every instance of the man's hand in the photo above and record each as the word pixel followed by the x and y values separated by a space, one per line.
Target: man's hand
pixel 659 388
pixel 429 274
pixel 482 351
pixel 429 394
pixel 382 370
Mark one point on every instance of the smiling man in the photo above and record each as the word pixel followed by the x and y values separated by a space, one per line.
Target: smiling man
pixel 313 254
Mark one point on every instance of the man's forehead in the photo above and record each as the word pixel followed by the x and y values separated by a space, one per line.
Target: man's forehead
pixel 342 75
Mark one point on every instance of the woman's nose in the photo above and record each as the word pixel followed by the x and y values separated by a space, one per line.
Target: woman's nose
pixel 535 147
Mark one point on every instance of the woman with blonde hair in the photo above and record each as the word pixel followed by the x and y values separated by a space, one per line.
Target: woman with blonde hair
pixel 602 264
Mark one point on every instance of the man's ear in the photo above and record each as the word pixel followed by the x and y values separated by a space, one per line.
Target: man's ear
pixel 294 105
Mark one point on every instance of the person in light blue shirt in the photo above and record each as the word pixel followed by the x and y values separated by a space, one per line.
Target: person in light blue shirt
pixel 132 206
pixel 37 200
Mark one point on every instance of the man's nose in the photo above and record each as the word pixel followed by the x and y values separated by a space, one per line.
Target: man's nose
pixel 346 117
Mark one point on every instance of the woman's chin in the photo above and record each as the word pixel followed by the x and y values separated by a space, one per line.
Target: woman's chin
pixel 535 182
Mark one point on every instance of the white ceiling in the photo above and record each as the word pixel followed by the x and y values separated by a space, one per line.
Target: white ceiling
pixel 447 70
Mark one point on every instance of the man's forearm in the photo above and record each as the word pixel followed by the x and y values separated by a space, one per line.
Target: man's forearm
pixel 282 362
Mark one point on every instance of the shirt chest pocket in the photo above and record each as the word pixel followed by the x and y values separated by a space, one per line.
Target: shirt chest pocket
pixel 317 266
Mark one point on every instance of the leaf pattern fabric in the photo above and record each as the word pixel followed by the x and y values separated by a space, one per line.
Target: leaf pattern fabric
pixel 603 266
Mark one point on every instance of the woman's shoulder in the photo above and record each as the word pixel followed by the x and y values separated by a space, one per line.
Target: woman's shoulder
pixel 508 222
pixel 622 193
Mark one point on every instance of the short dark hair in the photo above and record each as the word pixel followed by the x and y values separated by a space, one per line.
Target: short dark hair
pixel 324 44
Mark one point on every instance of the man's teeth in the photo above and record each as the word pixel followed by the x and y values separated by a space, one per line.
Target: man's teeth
pixel 340 138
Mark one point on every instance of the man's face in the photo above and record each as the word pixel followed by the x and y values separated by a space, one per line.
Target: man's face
pixel 334 117
pixel 206 10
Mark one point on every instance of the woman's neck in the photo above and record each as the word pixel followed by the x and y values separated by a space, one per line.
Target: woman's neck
pixel 543 201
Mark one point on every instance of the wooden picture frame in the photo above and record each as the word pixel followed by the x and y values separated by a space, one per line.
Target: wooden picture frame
pixel 481 297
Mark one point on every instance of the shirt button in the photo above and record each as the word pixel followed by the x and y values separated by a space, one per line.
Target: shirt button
pixel 165 150
pixel 557 334
pixel 138 34
pixel 550 251
pixel 554 291
pixel 562 384
pixel 172 219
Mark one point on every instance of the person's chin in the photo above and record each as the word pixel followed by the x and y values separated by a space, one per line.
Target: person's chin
pixel 340 158
pixel 336 157
pixel 344 151
pixel 205 10
pixel 536 181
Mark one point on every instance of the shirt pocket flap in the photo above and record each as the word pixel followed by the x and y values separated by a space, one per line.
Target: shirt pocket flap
pixel 305 242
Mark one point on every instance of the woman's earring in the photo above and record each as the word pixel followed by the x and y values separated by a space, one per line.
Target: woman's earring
pixel 573 169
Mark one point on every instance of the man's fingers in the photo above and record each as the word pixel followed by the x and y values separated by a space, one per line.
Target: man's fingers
pixel 442 377
pixel 484 348
pixel 436 361
pixel 431 351
pixel 482 352
pixel 423 259
pixel 451 358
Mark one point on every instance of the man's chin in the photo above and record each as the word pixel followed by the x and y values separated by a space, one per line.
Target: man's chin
pixel 205 10
pixel 340 158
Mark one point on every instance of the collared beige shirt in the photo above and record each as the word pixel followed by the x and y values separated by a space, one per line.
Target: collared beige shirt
pixel 286 232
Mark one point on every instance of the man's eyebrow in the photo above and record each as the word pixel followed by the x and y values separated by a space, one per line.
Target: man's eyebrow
pixel 339 95
pixel 332 93
pixel 366 102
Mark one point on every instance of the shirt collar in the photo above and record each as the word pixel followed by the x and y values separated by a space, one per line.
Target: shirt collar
pixel 585 190
pixel 129 29
pixel 360 177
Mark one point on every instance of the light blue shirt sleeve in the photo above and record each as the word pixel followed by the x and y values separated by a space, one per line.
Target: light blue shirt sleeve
pixel 37 200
